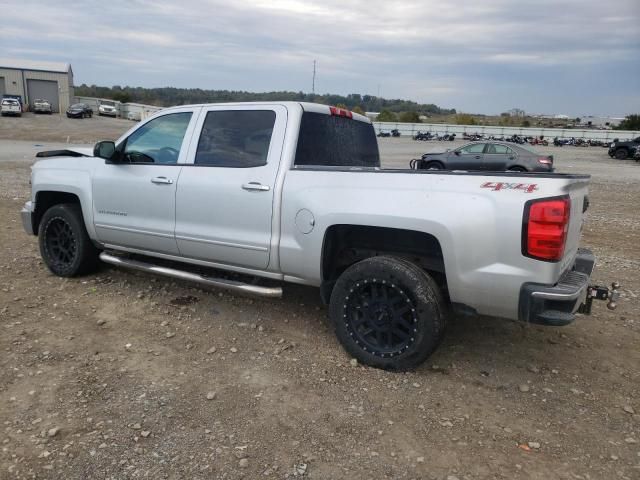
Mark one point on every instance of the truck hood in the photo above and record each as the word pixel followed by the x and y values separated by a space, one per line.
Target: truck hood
pixel 67 152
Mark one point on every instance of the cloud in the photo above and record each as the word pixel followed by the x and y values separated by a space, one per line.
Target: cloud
pixel 476 56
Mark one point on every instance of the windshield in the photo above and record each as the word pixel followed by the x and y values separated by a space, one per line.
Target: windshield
pixel 77 105
pixel 9 101
pixel 108 104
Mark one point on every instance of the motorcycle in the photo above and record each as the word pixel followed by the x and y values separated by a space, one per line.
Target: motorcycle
pixel 395 132
pixel 384 134
pixel 423 136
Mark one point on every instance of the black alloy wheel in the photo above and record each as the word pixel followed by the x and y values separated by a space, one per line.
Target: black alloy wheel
pixel 380 317
pixel 60 243
pixel 65 246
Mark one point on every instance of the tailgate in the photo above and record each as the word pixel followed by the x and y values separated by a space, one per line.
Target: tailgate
pixel 578 190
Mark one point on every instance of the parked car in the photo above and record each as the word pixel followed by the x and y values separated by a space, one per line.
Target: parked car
pixel 395 132
pixel 491 156
pixel 41 106
pixel 294 192
pixel 10 106
pixel 384 134
pixel 623 149
pixel 79 110
pixel 107 108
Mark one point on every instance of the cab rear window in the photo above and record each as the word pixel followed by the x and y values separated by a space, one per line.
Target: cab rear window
pixel 332 141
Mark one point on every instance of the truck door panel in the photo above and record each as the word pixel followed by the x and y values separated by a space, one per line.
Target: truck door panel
pixel 225 197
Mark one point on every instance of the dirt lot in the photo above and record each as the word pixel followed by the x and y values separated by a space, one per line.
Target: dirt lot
pixel 122 375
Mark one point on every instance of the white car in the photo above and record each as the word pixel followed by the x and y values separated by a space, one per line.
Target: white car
pixel 42 106
pixel 108 108
pixel 10 106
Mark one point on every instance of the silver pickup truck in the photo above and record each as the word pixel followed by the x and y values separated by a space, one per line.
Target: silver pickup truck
pixel 294 192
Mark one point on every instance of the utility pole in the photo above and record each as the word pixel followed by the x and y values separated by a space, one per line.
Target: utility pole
pixel 313 82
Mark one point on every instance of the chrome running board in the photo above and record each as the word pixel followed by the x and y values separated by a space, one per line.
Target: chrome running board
pixel 271 292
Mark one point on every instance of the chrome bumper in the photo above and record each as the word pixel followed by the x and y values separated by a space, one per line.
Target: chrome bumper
pixel 27 217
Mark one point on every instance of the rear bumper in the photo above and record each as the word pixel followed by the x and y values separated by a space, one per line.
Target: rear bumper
pixel 556 305
pixel 27 218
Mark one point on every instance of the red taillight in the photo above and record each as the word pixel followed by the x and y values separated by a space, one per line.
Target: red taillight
pixel 545 161
pixel 341 112
pixel 546 225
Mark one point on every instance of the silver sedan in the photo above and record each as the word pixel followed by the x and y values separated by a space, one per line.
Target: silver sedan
pixel 488 156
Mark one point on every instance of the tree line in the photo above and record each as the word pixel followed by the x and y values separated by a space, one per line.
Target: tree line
pixel 169 96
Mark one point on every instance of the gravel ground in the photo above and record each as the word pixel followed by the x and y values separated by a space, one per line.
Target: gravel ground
pixel 123 375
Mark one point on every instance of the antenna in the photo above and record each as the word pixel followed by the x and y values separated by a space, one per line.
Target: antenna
pixel 313 82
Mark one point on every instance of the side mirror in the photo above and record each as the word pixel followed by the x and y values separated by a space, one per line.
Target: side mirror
pixel 104 150
pixel 457 152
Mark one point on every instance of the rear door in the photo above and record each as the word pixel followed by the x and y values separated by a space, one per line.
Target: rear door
pixel 225 196
pixel 496 157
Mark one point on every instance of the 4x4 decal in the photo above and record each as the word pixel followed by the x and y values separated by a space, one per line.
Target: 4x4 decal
pixel 497 186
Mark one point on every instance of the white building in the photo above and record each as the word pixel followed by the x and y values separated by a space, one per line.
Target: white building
pixel 30 80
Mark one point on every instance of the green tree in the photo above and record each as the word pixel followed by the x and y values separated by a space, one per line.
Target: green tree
pixel 123 97
pixel 357 109
pixel 632 122
pixel 409 117
pixel 386 116
pixel 526 123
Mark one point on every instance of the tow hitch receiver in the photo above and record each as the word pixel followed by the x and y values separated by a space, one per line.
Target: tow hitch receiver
pixel 601 293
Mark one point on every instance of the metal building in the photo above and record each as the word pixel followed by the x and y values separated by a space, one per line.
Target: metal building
pixel 32 79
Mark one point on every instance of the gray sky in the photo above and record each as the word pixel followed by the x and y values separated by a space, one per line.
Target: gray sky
pixel 546 56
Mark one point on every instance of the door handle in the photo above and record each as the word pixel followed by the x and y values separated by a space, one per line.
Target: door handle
pixel 162 180
pixel 477 157
pixel 256 186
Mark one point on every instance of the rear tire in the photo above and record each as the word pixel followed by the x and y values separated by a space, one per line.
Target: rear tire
pixel 65 246
pixel 388 313
pixel 517 169
pixel 621 154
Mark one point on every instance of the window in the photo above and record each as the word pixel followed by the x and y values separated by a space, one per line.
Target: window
pixel 327 140
pixel 474 148
pixel 159 140
pixel 236 138
pixel 498 149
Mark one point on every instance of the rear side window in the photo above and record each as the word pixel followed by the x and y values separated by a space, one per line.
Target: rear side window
pixel 331 141
pixel 236 138
pixel 499 149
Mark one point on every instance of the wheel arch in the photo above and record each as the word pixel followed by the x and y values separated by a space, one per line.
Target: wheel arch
pixel 345 244
pixel 45 199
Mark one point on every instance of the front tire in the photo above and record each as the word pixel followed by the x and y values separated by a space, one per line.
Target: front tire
pixel 65 246
pixel 621 154
pixel 434 166
pixel 387 313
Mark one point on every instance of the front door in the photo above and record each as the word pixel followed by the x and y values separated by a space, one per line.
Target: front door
pixel 470 157
pixel 224 201
pixel 134 197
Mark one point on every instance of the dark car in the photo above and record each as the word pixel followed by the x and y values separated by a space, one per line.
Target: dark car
pixel 79 110
pixel 622 150
pixel 491 156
